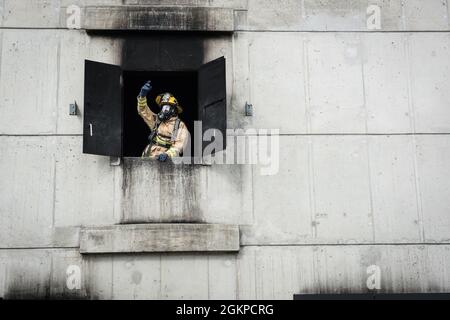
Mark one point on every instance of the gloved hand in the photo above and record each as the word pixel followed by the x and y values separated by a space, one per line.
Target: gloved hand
pixel 162 157
pixel 145 89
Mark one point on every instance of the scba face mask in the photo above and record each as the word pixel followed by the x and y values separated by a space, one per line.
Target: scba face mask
pixel 167 111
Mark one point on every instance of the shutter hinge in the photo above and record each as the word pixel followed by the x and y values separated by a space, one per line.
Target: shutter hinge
pixel 248 109
pixel 114 161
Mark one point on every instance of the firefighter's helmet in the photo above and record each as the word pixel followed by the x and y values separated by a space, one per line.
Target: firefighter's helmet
pixel 168 98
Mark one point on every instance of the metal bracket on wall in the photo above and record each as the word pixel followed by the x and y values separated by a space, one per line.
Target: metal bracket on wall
pixel 114 161
pixel 73 109
pixel 248 109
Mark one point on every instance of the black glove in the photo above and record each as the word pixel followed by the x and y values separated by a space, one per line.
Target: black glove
pixel 162 157
pixel 145 89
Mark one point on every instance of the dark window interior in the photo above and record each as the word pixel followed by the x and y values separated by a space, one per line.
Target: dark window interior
pixel 111 124
pixel 182 84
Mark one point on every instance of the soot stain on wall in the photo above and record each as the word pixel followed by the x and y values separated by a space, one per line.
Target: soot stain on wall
pixel 162 51
pixel 179 193
pixel 160 192
pixel 178 185
pixel 22 287
pixel 193 18
pixel 150 51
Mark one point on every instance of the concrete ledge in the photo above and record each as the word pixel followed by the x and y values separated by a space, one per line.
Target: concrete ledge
pixel 160 237
pixel 158 18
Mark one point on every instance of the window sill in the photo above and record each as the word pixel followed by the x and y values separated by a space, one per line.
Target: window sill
pixel 117 161
pixel 160 237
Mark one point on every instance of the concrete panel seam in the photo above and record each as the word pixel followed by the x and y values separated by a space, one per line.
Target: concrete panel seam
pixel 1 54
pixel 366 141
pixel 311 191
pixel 251 99
pixel 112 277
pixel 306 85
pixel 303 9
pixel 58 78
pixel 448 13
pixel 207 277
pixel 41 135
pixel 50 277
pixel 253 197
pixel 403 17
pixel 56 248
pixel 160 276
pixel 412 113
pixel 407 52
pixel 2 8
pixel 338 134
pixel 58 69
pixel 258 31
pixel 54 193
pixel 339 31
pixel 32 28
pixel 396 244
pixel 369 176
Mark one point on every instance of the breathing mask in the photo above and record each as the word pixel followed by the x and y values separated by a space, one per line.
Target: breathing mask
pixel 167 111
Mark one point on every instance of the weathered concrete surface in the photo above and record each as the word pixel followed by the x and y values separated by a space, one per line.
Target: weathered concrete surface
pixel 282 201
pixel 75 48
pixel 47 191
pixel 433 174
pixel 54 76
pixel 336 101
pixel 275 272
pixel 170 237
pixel 353 189
pixel 27 167
pixel 157 276
pixel 254 15
pixel 279 272
pixel 42 72
pixel 342 82
pixel 364 119
pixel 145 183
pixel 158 18
pixel 335 182
pixel 234 4
pixel 398 89
pixel 432 15
pixel 395 191
pixel 195 193
pixel 2 8
pixel 399 180
pixel 279 90
pixel 386 79
pixel 31 14
pixel 40 274
pixel 29 81
pixel 77 178
pixel 430 85
pixel 336 15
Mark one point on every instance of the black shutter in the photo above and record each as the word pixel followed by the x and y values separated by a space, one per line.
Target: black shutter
pixel 212 98
pixel 102 126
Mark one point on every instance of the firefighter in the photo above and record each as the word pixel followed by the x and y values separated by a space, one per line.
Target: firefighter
pixel 169 134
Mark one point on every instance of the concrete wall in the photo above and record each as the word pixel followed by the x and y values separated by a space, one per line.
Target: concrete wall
pixel 363 179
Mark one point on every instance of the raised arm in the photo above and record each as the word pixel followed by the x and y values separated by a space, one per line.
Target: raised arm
pixel 142 106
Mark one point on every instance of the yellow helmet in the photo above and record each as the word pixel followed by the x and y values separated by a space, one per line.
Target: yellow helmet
pixel 168 98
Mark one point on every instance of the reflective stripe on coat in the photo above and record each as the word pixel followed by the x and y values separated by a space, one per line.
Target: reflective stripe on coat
pixel 164 133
